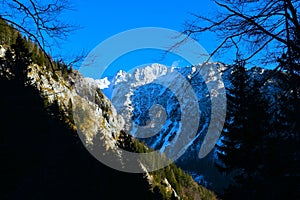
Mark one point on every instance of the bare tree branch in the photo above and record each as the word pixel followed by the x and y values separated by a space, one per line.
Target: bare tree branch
pixel 268 28
pixel 263 27
pixel 38 20
pixel 254 24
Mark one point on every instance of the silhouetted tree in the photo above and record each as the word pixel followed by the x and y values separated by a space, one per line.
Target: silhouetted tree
pixel 229 152
pixel 14 65
pixel 242 152
pixel 19 61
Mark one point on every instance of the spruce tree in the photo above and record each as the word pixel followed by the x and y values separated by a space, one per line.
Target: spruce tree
pixel 228 152
pixel 241 152
pixel 21 61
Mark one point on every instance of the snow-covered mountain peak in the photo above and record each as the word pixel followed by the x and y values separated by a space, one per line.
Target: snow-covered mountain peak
pixel 136 92
pixel 99 83
pixel 141 75
pixel 121 76
pixel 149 73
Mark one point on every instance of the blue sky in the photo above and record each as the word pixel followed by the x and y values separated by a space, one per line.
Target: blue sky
pixel 100 20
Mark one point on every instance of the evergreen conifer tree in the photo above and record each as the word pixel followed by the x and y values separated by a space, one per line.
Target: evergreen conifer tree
pixel 21 61
pixel 242 152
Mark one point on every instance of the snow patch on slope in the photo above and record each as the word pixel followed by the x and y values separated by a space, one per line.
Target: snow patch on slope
pixel 134 93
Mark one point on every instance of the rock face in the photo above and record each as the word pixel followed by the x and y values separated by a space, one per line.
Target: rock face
pixel 2 51
pixel 95 119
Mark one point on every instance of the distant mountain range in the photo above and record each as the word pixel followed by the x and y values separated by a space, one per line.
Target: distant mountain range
pixel 134 93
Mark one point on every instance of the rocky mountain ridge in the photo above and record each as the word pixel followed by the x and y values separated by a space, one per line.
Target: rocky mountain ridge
pixel 135 93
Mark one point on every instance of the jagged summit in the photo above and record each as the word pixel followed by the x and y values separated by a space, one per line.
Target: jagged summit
pixel 134 93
